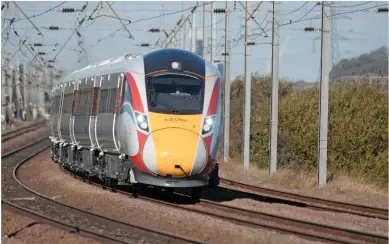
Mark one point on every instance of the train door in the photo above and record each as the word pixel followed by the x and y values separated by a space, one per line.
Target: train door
pixel 74 107
pixel 94 111
pixel 66 111
pixel 56 104
pixel 58 128
pixel 106 120
pixel 82 113
pixel 118 102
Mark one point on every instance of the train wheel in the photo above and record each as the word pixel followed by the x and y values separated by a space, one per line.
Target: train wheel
pixel 214 179
pixel 107 183
pixel 196 193
pixel 87 177
pixel 114 185
pixel 135 191
pixel 169 191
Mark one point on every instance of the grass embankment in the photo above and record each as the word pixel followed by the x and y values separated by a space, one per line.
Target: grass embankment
pixel 357 132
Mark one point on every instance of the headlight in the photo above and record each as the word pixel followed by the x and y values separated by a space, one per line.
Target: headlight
pixel 206 127
pixel 208 124
pixel 209 121
pixel 143 125
pixel 140 118
pixel 142 121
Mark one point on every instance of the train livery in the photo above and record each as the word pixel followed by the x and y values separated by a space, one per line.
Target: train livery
pixel 152 120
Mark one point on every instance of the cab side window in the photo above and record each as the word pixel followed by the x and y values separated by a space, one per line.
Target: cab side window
pixel 127 92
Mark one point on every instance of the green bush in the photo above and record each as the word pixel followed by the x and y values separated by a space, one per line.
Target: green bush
pixel 358 128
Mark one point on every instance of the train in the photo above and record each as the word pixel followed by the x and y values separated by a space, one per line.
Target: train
pixel 147 121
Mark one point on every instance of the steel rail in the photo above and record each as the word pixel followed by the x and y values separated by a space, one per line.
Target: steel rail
pixel 13 134
pixel 314 202
pixel 59 224
pixel 22 148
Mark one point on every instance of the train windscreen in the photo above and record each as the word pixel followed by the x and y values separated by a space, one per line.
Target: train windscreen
pixel 175 94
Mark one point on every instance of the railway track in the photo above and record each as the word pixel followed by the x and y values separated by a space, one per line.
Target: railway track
pixel 257 219
pixel 19 197
pixel 19 131
pixel 313 202
pixel 310 230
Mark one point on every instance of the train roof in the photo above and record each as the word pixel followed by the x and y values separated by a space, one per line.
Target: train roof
pixel 152 62
pixel 112 64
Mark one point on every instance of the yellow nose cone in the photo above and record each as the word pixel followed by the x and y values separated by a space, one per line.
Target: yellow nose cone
pixel 174 146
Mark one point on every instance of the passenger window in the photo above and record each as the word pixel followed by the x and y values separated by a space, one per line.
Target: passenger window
pixel 107 104
pixel 84 101
pixel 113 78
pixel 95 101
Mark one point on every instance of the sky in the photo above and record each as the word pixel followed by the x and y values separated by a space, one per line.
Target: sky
pixel 354 32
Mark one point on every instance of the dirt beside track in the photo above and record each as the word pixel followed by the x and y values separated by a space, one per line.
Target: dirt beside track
pixel 24 139
pixel 26 230
pixel 43 175
pixel 341 188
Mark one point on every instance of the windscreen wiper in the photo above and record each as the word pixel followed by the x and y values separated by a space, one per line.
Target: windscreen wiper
pixel 173 110
pixel 153 97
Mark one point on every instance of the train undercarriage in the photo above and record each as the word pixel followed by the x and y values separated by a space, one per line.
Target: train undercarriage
pixel 113 170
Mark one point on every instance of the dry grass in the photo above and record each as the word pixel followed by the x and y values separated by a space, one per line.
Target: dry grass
pixel 340 186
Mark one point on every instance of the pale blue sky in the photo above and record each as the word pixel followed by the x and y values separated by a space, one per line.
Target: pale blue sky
pixel 358 32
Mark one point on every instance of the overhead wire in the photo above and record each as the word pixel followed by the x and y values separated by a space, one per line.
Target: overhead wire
pixel 144 19
pixel 6 39
pixel 40 62
pixel 301 19
pixel 337 14
pixel 32 23
pixel 82 21
pixel 90 16
pixel 51 9
pixel 57 43
pixel 355 5
pixel 5 16
pixel 314 6
pixel 291 12
pixel 74 31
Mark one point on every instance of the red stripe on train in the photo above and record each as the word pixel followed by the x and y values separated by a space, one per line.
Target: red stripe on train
pixel 137 105
pixel 137 159
pixel 136 98
pixel 210 163
pixel 214 99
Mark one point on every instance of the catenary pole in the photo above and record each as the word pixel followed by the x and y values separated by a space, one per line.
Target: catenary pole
pixel 274 91
pixel 247 95
pixel 213 33
pixel 193 39
pixel 205 34
pixel 324 86
pixel 184 37
pixel 227 83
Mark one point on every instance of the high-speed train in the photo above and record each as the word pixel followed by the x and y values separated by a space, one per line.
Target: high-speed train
pixel 152 120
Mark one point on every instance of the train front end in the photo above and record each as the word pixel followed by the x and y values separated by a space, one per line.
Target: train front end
pixel 183 121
